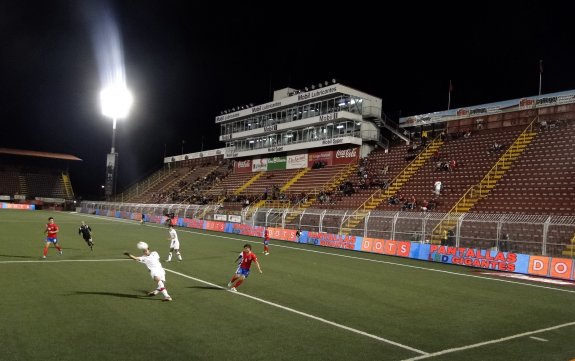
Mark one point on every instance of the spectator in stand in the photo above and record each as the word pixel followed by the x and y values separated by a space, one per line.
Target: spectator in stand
pixel 444 238
pixel 437 187
pixel 424 205
pixel 451 238
pixel 452 165
pixel 504 243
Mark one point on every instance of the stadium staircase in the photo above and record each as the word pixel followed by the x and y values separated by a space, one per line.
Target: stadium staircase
pixel 396 183
pixel 22 184
pixel 480 190
pixel 329 186
pixel 238 190
pixel 274 203
pixel 67 186
pixel 141 188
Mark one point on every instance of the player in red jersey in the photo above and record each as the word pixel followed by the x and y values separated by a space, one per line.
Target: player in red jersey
pixel 266 242
pixel 51 232
pixel 243 271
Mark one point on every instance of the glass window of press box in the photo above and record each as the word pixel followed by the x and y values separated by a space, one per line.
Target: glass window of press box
pixel 338 103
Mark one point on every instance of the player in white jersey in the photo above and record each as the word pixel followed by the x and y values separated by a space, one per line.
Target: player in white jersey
pixel 174 244
pixel 152 261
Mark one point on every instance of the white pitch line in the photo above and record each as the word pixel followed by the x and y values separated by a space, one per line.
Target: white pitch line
pixel 538 339
pixel 353 257
pixel 499 340
pixel 66 260
pixel 306 315
pixel 248 296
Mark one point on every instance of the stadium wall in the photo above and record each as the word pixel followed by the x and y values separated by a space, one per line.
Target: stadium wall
pixel 543 266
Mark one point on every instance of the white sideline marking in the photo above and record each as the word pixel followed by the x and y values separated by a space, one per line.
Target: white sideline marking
pixel 66 260
pixel 305 314
pixel 538 338
pixel 503 339
pixel 345 256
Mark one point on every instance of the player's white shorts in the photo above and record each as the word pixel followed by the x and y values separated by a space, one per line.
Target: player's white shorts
pixel 158 272
pixel 175 244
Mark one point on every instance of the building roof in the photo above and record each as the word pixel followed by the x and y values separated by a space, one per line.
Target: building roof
pixel 32 153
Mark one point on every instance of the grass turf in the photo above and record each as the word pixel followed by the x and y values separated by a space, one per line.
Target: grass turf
pixel 92 305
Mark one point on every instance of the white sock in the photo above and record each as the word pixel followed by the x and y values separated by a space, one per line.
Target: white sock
pixel 162 289
pixel 170 256
pixel 179 256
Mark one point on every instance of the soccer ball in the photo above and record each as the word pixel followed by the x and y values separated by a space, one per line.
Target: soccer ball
pixel 142 245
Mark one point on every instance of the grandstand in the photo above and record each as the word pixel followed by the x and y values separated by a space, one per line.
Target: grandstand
pixel 329 160
pixel 39 178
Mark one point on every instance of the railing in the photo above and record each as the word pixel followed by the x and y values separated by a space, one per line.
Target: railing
pixel 529 234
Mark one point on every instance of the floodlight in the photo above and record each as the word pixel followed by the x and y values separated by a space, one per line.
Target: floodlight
pixel 306 89
pixel 312 87
pixel 116 101
pixel 333 80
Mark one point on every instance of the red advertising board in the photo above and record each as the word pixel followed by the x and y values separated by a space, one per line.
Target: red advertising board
pixel 243 166
pixel 282 234
pixel 325 156
pixel 346 155
pixel 387 246
pixel 215 226
pixel 194 223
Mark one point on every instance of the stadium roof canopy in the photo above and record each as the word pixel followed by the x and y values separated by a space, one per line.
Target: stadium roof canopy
pixel 32 153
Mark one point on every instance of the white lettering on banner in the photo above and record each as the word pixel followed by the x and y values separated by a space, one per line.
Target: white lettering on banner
pixel 221 118
pixel 323 155
pixel 537 265
pixel 332 141
pixel 561 268
pixel 220 217
pixel 346 153
pixel 275 149
pixel 317 93
pixel 259 108
pixel 235 219
pixel 226 137
pixel 326 117
pixel 244 164
pixel 275 160
pixel 271 128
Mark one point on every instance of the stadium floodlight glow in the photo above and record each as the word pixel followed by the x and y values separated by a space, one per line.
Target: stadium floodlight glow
pixel 116 101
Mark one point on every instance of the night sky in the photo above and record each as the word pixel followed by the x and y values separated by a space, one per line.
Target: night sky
pixel 186 61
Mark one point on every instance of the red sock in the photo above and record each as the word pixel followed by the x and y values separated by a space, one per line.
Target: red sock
pixel 58 248
pixel 45 250
pixel 234 278
pixel 238 283
pixel 266 249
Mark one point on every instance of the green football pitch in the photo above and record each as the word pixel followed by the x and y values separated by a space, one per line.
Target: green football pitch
pixel 310 303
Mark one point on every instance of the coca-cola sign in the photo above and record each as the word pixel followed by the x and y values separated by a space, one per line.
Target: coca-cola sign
pixel 346 153
pixel 243 166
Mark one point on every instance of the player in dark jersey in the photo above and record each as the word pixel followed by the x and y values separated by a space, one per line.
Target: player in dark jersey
pixel 86 233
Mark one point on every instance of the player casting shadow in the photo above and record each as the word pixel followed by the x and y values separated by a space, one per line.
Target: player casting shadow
pixel 114 294
pixel 11 255
pixel 208 288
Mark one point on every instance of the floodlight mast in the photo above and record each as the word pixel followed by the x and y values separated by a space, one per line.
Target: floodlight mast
pixel 116 101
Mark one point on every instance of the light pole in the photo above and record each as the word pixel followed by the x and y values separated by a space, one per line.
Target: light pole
pixel 116 101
